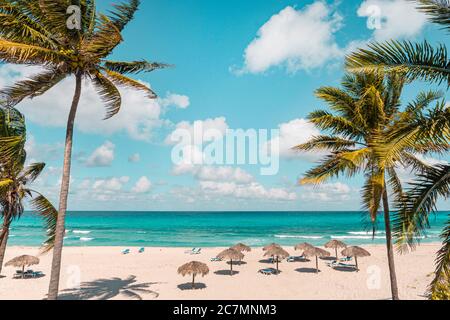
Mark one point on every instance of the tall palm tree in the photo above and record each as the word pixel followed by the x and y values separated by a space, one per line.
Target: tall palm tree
pixel 36 33
pixel 416 60
pixel 363 111
pixel 15 179
pixel 412 219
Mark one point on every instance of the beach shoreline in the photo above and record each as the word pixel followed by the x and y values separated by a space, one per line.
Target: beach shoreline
pixel 106 273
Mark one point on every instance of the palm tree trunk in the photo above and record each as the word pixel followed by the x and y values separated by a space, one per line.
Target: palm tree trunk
pixel 60 223
pixel 4 241
pixel 390 249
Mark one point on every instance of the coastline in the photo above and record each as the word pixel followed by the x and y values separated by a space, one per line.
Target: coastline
pixel 105 273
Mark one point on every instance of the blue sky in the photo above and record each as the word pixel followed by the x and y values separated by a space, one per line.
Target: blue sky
pixel 237 64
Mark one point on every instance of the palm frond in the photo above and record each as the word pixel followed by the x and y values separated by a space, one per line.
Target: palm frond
pixel 438 10
pixel 34 86
pixel 105 38
pixel 134 67
pixel 323 142
pixel 47 211
pixel 372 192
pixel 109 94
pixel 32 172
pixel 124 81
pixel 440 286
pixel 15 52
pixel 325 120
pixel 415 60
pixel 124 13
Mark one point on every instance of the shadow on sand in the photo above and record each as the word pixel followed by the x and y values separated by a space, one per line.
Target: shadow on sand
pixel 237 263
pixel 105 289
pixel 306 270
pixel 188 286
pixel 226 272
pixel 343 269
pixel 328 258
pixel 268 261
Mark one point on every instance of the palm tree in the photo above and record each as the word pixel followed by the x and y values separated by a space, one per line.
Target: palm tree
pixel 367 107
pixel 15 179
pixel 416 60
pixel 412 219
pixel 36 33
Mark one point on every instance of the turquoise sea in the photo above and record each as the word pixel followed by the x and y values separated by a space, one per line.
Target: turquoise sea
pixel 210 229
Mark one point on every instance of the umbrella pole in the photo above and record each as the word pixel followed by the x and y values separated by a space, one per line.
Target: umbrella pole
pixel 23 272
pixel 356 261
pixel 336 253
pixel 317 264
pixel 231 265
pixel 277 266
pixel 193 281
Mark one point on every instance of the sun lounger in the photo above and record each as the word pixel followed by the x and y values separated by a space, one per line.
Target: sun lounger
pixel 194 251
pixel 345 259
pixel 215 259
pixel 335 264
pixel 267 272
pixel 126 251
pixel 141 250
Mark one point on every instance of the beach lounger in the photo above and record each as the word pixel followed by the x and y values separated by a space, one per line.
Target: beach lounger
pixel 215 259
pixel 267 272
pixel 194 251
pixel 126 251
pixel 345 259
pixel 141 250
pixel 291 259
pixel 335 264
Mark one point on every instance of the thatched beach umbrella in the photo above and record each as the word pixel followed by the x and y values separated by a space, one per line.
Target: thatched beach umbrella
pixel 241 247
pixel 317 252
pixel 194 268
pixel 276 252
pixel 270 246
pixel 22 262
pixel 303 246
pixel 335 244
pixel 355 252
pixel 231 254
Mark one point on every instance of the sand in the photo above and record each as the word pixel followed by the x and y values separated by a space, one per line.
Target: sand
pixel 105 273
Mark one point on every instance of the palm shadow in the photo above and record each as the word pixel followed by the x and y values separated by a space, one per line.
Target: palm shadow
pixel 188 286
pixel 307 270
pixel 105 289
pixel 226 272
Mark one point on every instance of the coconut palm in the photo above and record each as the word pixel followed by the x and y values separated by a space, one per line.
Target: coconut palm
pixel 363 111
pixel 412 219
pixel 416 60
pixel 15 180
pixel 37 33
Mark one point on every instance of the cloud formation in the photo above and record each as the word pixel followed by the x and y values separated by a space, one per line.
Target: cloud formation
pixel 103 156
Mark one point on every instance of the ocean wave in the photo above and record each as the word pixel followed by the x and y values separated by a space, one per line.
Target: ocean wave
pixel 297 237
pixel 365 232
pixel 81 232
pixel 86 239
pixel 357 237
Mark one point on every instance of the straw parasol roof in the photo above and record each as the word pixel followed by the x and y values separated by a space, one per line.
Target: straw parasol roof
pixel 277 252
pixel 317 252
pixel 303 246
pixel 231 254
pixel 267 247
pixel 22 261
pixel 355 252
pixel 241 247
pixel 194 268
pixel 335 244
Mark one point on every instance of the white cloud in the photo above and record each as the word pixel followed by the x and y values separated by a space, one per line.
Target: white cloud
pixel 143 185
pixel 103 156
pixel 138 117
pixel 299 39
pixel 111 184
pixel 211 173
pixel 293 133
pixel 177 100
pixel 326 192
pixel 208 130
pixel 392 19
pixel 37 152
pixel 134 158
pixel 249 191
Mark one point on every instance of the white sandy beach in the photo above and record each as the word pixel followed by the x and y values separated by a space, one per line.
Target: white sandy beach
pixel 107 274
